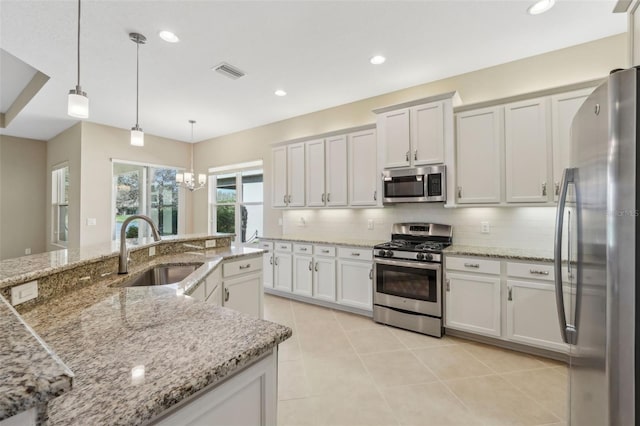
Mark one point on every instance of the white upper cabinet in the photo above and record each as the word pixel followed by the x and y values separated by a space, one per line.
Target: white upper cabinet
pixel 295 175
pixel 336 170
pixel 315 171
pixel 563 108
pixel 279 173
pixel 394 131
pixel 478 160
pixel 427 134
pixel 526 151
pixel 363 169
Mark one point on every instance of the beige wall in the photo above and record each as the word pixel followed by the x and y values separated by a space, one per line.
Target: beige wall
pixel 22 196
pixel 562 67
pixel 101 144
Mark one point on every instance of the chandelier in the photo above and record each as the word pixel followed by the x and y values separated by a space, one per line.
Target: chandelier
pixel 188 179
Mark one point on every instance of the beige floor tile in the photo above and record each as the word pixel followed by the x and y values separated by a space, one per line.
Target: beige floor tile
pixel 429 404
pixel 292 380
pixel 306 312
pixel 548 386
pixel 323 337
pixel 396 368
pixel 451 362
pixel 297 412
pixel 371 340
pixel 503 360
pixel 364 407
pixel 349 321
pixel 414 340
pixel 289 350
pixel 339 373
pixel 496 402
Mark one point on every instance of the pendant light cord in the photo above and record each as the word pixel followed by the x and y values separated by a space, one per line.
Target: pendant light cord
pixel 192 123
pixel 137 78
pixel 78 43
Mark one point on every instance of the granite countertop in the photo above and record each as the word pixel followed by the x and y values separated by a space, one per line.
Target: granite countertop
pixel 324 240
pixel 134 352
pixel 500 252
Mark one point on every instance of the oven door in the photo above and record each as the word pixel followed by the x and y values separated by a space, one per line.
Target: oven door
pixel 410 286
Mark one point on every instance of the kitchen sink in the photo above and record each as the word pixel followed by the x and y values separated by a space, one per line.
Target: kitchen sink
pixel 161 274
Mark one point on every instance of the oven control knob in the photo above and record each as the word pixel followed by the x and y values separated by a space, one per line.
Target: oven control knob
pixel 428 256
pixel 382 253
pixel 420 256
pixel 389 253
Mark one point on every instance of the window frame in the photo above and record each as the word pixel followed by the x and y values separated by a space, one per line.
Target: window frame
pixel 59 198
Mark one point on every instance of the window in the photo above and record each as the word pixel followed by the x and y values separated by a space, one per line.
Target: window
pixel 235 200
pixel 60 205
pixel 148 190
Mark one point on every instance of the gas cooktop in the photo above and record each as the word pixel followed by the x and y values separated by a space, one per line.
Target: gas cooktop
pixel 415 241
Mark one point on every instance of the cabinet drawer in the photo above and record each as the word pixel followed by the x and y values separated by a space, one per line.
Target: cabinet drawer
pixel 324 250
pixel 303 249
pixel 538 271
pixel 472 264
pixel 355 253
pixel 283 247
pixel 266 245
pixel 242 266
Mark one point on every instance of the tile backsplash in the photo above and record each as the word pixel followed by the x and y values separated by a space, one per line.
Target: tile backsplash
pixel 509 227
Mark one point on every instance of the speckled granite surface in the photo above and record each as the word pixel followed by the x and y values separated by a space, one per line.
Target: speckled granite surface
pixel 325 240
pixel 102 332
pixel 31 373
pixel 499 252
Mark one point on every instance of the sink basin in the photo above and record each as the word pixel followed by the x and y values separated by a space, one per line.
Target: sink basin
pixel 161 274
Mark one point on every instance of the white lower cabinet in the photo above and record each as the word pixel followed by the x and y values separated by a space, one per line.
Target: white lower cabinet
pixel 473 303
pixel 324 278
pixel 355 278
pixel 282 267
pixel 213 287
pixel 267 263
pixel 242 286
pixel 247 398
pixel 303 275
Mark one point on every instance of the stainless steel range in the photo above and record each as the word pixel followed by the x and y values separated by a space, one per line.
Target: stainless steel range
pixel 408 277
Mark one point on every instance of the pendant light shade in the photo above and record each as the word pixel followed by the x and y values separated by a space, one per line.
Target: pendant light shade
pixel 78 102
pixel 137 135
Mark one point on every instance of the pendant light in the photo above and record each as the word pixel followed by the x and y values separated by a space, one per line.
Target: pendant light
pixel 188 179
pixel 78 102
pixel 137 135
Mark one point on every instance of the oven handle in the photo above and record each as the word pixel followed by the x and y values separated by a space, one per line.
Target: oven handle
pixel 414 265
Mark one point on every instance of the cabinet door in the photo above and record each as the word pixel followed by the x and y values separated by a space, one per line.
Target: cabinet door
pixel 427 134
pixel 527 151
pixel 267 269
pixel 531 315
pixel 295 175
pixel 563 108
pixel 336 169
pixel 283 271
pixel 303 275
pixel 324 279
pixel 315 171
pixel 244 294
pixel 215 298
pixel 363 169
pixel 279 176
pixel 394 131
pixel 355 286
pixel 478 165
pixel 473 303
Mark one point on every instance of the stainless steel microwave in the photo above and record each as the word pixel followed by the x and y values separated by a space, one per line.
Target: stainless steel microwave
pixel 415 184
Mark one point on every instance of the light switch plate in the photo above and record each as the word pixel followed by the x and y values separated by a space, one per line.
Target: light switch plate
pixel 91 221
pixel 370 224
pixel 24 292
pixel 484 227
pixel 152 251
pixel 210 243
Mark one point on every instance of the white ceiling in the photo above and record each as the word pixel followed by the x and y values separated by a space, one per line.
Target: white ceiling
pixel 317 51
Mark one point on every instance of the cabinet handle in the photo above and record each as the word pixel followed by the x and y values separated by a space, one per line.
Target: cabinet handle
pixel 316 268
pixel 289 198
pixel 284 198
pixel 325 251
pixel 247 266
pixel 448 285
pixel 276 261
pixel 472 265
pixel 323 196
pixel 459 192
pixel 538 272
pixel 270 260
pixel 371 273
pixel 226 294
pixel 375 195
pixel 544 189
pixel 415 154
pixel 303 249
pixel 557 188
pixel 311 265
pixel 328 197
pixel 406 155
pixel 355 254
pixel 510 296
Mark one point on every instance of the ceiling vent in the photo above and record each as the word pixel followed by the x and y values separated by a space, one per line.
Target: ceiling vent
pixel 228 70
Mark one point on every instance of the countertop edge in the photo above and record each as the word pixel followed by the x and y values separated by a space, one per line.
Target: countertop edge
pixel 499 253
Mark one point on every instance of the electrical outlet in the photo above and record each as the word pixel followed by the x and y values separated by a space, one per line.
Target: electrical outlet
pixel 302 222
pixel 370 224
pixel 27 250
pixel 24 292
pixel 210 243
pixel 152 251
pixel 91 221
pixel 484 227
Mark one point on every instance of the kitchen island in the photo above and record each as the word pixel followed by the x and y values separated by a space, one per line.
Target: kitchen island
pixel 137 353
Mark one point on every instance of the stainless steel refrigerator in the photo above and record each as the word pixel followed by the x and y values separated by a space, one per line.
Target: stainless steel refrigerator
pixel 595 255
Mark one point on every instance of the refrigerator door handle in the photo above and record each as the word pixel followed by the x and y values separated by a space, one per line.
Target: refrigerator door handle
pixel 568 332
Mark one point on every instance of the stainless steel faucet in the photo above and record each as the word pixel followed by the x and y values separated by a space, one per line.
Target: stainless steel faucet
pixel 123 261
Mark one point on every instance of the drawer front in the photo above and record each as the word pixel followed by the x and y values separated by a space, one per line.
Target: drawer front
pixel 538 271
pixel 266 245
pixel 324 251
pixel 473 264
pixel 303 249
pixel 285 247
pixel 242 266
pixel 355 253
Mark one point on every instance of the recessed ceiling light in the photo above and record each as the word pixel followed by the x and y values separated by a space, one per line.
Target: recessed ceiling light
pixel 540 6
pixel 168 36
pixel 377 60
pixel 280 92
